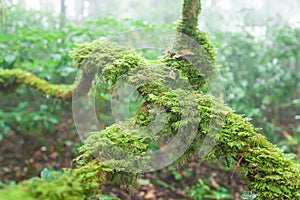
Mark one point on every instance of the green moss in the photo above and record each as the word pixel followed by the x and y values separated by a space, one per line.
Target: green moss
pixel 189 17
pixel 188 28
pixel 262 163
pixel 121 66
pixel 195 76
pixel 12 79
pixel 91 59
pixel 82 183
pixel 125 141
pixel 271 173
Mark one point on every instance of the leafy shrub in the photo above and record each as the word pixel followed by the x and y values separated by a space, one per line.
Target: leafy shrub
pixel 202 191
pixel 43 49
pixel 260 75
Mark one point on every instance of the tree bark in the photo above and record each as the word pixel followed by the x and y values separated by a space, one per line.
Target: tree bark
pixel 63 9
pixel 189 17
pixel 3 16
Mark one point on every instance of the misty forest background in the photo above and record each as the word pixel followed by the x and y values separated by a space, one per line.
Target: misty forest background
pixel 257 43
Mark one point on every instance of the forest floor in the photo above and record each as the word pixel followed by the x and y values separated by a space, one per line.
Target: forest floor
pixel 23 156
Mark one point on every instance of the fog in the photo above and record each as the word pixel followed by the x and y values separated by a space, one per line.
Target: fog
pixel 217 14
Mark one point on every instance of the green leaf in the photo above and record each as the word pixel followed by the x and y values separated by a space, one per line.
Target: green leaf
pixel 47 173
pixel 10 59
pixel 143 181
pixel 108 197
pixel 1 183
pixel 50 174
pixel 107 169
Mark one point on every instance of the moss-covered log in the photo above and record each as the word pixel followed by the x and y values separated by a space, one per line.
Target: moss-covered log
pixel 271 173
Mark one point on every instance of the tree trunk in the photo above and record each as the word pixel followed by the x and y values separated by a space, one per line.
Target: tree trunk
pixel 92 8
pixel 189 17
pixel 63 9
pixel 3 16
pixel 79 8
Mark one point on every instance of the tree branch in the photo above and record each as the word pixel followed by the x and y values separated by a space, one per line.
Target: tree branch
pixel 272 173
pixel 189 17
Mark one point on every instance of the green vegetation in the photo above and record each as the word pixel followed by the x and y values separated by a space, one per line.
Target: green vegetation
pixel 261 79
pixel 271 172
pixel 203 191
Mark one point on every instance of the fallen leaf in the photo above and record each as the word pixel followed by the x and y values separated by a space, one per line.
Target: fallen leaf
pixel 150 195
pixel 187 52
pixel 213 181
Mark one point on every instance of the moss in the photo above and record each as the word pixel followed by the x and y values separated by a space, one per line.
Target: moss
pixel 193 47
pixel 262 163
pixel 12 79
pixel 106 59
pixel 121 66
pixel 272 174
pixel 91 59
pixel 189 17
pixel 188 29
pixel 195 76
pixel 82 183
pixel 119 146
pixel 96 54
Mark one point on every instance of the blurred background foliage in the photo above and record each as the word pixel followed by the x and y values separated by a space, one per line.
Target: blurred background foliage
pixel 258 54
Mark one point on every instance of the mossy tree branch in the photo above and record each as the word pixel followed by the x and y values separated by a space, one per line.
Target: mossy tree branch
pixel 189 17
pixel 10 80
pixel 272 173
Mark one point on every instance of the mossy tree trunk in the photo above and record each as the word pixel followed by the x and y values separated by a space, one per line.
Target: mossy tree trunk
pixel 189 17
